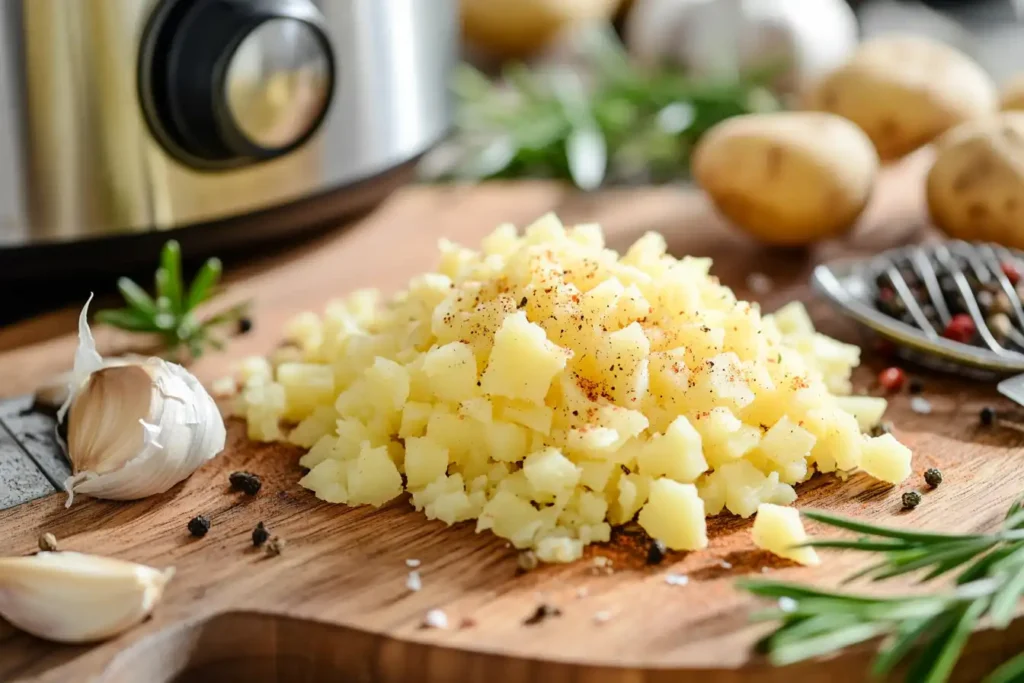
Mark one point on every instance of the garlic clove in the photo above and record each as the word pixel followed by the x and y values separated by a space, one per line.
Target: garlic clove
pixel 136 427
pixel 103 422
pixel 71 597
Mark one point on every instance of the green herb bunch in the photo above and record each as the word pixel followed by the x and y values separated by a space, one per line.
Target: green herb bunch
pixel 617 122
pixel 989 584
pixel 171 313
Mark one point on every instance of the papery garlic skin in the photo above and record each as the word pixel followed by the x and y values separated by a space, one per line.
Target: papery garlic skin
pixel 122 449
pixel 728 38
pixel 71 597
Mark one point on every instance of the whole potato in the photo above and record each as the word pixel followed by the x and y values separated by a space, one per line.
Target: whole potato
pixel 520 28
pixel 787 178
pixel 975 188
pixel 905 91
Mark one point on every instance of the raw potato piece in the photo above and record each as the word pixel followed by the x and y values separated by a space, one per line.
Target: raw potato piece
pixel 975 188
pixel 778 529
pixel 885 458
pixel 905 91
pixel 523 362
pixel 549 389
pixel 787 178
pixel 676 454
pixel 867 410
pixel 674 515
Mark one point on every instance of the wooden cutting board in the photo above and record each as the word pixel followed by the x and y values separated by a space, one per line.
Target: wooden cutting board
pixel 334 606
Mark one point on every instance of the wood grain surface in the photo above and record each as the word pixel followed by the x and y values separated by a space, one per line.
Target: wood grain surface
pixel 334 605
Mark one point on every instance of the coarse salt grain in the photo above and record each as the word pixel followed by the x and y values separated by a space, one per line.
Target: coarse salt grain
pixel 787 604
pixel 602 616
pixel 436 618
pixel 412 563
pixel 765 570
pixel 582 592
pixel 920 405
pixel 677 579
pixel 414 582
pixel 759 283
pixel 725 564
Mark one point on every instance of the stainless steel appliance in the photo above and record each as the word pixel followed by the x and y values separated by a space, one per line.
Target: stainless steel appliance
pixel 220 120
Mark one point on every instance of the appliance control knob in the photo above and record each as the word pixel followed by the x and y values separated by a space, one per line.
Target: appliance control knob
pixel 230 82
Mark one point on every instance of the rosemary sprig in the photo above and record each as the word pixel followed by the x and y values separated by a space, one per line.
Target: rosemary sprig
pixel 171 313
pixel 989 584
pixel 617 122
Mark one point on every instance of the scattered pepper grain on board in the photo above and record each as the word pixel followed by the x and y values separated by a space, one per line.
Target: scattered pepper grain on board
pixel 550 388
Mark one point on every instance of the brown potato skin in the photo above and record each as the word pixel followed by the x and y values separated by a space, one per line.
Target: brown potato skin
pixel 905 91
pixel 975 188
pixel 788 178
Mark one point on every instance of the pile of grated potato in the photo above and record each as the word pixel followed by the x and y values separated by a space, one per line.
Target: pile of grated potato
pixel 550 389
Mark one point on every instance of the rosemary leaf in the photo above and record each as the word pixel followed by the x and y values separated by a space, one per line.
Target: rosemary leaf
pixel 1009 672
pixel 170 264
pixel 128 319
pixel 942 666
pixel 900 643
pixel 829 641
pixel 136 297
pixel 203 283
pixel 885 532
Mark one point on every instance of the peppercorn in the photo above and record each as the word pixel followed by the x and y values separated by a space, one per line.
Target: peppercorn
pixel 48 542
pixel 244 325
pixel 1000 325
pixel 892 379
pixel 260 535
pixel 916 386
pixel 656 552
pixel 911 499
pixel 246 482
pixel 1011 272
pixel 543 611
pixel 987 416
pixel 985 301
pixel 275 546
pixel 198 526
pixel 932 477
pixel 961 328
pixel 1001 303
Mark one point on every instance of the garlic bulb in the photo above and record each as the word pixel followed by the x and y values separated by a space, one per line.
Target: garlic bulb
pixel 723 38
pixel 74 598
pixel 135 427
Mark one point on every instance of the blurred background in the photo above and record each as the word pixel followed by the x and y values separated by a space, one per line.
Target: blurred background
pixel 228 123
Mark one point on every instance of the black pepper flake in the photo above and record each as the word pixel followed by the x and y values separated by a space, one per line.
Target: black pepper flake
pixel 915 387
pixel 522 302
pixel 198 526
pixel 911 499
pixel 244 325
pixel 881 428
pixel 625 469
pixel 656 552
pixel 247 482
pixel 543 611
pixel 987 416
pixel 260 535
pixel 932 477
